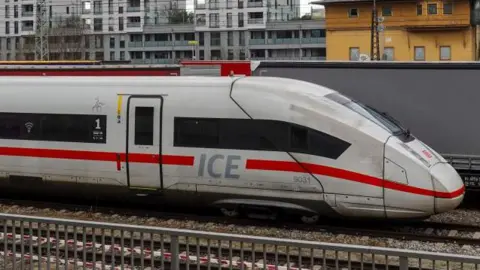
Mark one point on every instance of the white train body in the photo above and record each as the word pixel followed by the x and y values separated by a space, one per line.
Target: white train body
pixel 218 142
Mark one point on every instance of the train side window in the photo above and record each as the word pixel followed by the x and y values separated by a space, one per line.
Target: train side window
pixel 18 126
pixel 322 144
pixel 144 125
pixel 73 128
pixel 65 128
pixel 196 132
pixel 273 135
pixel 245 134
pixel 298 138
pixel 53 127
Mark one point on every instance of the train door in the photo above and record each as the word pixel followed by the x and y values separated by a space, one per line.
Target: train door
pixel 144 130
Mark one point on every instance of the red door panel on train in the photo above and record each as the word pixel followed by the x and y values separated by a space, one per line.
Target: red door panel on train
pixel 144 142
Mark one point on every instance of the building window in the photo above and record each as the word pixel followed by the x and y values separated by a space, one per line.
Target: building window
pixel 97 24
pixel 240 18
pixel 201 20
pixel 215 39
pixel 230 38
pixel 214 20
pixel 229 20
pixel 386 11
pixel 445 53
pixel 419 9
pixel 447 7
pixel 432 9
pixel 144 125
pixel 353 13
pixel 112 43
pixel 388 54
pixel 354 54
pixel 419 53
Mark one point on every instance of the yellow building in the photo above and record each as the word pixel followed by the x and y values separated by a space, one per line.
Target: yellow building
pixel 432 30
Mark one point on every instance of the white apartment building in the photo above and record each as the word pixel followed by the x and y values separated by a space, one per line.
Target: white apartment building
pixel 252 14
pixel 140 30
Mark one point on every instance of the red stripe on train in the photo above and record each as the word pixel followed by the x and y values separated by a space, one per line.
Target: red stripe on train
pixel 287 166
pixel 252 164
pixel 98 156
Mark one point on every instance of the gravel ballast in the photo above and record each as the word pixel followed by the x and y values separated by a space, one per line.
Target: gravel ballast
pixel 461 216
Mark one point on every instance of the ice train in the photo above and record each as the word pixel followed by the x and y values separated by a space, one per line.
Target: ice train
pixel 241 144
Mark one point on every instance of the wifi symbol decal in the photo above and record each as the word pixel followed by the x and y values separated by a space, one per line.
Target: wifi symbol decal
pixel 29 126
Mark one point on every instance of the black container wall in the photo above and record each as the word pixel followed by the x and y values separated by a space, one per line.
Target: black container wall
pixel 440 103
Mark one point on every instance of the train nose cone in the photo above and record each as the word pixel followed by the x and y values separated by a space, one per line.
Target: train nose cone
pixel 448 186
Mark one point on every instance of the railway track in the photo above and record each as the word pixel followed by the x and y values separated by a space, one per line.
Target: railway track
pixel 416 231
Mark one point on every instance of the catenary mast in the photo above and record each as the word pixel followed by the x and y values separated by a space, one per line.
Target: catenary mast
pixel 41 32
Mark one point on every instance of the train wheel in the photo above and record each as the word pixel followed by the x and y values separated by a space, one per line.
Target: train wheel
pixel 232 212
pixel 310 219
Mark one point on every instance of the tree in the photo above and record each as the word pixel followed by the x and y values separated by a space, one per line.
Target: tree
pixel 178 16
pixel 67 38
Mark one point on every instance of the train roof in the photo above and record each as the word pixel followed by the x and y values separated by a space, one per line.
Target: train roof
pixel 260 84
pixel 122 81
pixel 273 84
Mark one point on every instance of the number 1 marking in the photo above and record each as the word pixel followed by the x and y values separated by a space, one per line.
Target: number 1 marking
pixel 98 123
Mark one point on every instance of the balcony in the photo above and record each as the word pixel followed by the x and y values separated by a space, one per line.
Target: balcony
pixel 27 13
pixel 254 4
pixel 133 24
pixel 133 9
pixel 315 40
pixel 425 24
pixel 255 21
pixel 135 44
pixel 284 41
pixel 431 21
pixel 182 43
pixel 27 28
pixel 411 23
pixel 158 44
pixel 257 41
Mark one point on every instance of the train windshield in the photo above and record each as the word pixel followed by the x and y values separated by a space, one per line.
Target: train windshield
pixel 380 118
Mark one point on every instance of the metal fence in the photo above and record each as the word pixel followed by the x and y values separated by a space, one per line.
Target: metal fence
pixel 46 243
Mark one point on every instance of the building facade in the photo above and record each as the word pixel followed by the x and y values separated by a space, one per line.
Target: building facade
pixel 433 30
pixel 155 32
